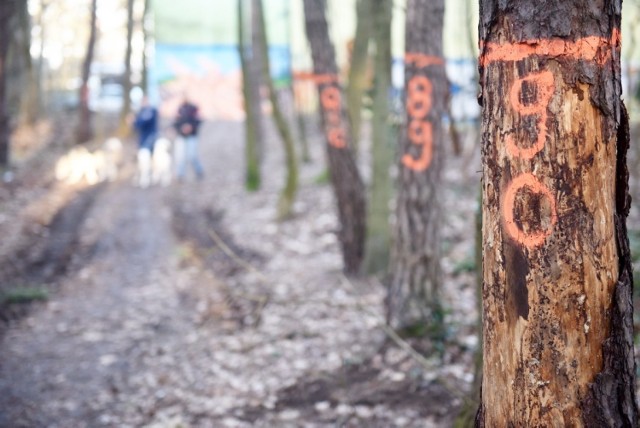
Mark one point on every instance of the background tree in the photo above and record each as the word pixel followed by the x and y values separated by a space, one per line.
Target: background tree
pixel 558 333
pixel 358 67
pixel 288 193
pixel 85 128
pixel 250 64
pixel 345 178
pixel 7 9
pixel 378 229
pixel 126 78
pixel 413 297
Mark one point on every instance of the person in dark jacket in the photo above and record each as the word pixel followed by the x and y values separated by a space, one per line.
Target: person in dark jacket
pixel 187 124
pixel 146 124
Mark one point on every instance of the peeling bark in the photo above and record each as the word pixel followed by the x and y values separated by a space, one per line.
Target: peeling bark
pixel 557 314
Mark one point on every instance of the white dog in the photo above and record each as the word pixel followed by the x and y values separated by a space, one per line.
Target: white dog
pixel 80 164
pixel 144 167
pixel 162 162
pixel 112 149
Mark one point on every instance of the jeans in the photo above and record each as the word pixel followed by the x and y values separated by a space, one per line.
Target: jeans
pixel 186 151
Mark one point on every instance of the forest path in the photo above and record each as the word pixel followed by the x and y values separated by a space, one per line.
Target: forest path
pixel 156 326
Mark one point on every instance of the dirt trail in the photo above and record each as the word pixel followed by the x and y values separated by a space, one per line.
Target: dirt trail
pixel 158 327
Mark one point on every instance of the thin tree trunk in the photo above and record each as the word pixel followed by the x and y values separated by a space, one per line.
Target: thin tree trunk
pixel 358 67
pixel 252 105
pixel 126 83
pixel 7 9
pixel 413 297
pixel 345 178
pixel 145 37
pixel 29 90
pixel 378 228
pixel 288 193
pixel 85 127
pixel 558 332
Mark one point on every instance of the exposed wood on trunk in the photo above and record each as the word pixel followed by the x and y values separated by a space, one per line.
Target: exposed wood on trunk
pixel 557 278
pixel 85 128
pixel 345 178
pixel 413 294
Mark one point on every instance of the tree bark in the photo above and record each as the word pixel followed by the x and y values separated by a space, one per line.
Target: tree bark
pixel 252 100
pixel 358 67
pixel 413 294
pixel 376 259
pixel 126 83
pixel 557 312
pixel 85 128
pixel 7 9
pixel 288 193
pixel 345 178
pixel 145 37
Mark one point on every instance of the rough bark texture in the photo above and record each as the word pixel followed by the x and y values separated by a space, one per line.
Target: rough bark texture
pixel 558 334
pixel 85 127
pixel 345 178
pixel 252 102
pixel 288 193
pixel 6 12
pixel 358 67
pixel 376 259
pixel 413 293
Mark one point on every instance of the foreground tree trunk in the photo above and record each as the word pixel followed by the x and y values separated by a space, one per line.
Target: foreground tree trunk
pixel 345 178
pixel 413 293
pixel 6 12
pixel 382 152
pixel 558 332
pixel 252 100
pixel 85 128
pixel 288 193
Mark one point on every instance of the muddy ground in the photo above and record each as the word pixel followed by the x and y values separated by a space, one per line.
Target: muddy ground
pixel 191 306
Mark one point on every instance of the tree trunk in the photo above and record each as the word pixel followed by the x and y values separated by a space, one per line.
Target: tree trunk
pixel 85 128
pixel 413 295
pixel 126 80
pixel 252 104
pixel 358 67
pixel 378 228
pixel 288 193
pixel 6 12
pixel 145 37
pixel 558 333
pixel 345 178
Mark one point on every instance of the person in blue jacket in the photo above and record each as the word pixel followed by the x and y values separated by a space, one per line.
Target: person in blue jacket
pixel 146 124
pixel 187 124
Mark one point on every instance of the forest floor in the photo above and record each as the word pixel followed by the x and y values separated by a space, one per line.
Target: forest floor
pixel 192 306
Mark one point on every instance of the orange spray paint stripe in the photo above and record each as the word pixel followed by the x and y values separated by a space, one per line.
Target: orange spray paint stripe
pixel 421 60
pixel 533 239
pixel 591 48
pixel 318 79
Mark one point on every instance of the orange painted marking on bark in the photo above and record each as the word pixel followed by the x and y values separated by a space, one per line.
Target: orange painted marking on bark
pixel 419 129
pixel 318 79
pixel 331 102
pixel 544 82
pixel 421 60
pixel 420 132
pixel 591 48
pixel 330 98
pixel 532 239
pixel 419 97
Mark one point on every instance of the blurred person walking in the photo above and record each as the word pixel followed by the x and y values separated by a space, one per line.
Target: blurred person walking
pixel 146 125
pixel 187 124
